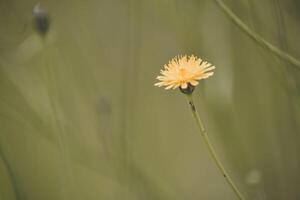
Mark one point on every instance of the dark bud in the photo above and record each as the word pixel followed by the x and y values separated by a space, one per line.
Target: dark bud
pixel 188 90
pixel 41 20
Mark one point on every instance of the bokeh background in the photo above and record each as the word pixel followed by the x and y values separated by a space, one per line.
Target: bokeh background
pixel 81 119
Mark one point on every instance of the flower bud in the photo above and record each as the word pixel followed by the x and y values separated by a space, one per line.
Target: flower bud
pixel 189 90
pixel 41 19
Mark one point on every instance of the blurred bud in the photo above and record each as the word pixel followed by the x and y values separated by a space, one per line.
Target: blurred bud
pixel 189 90
pixel 41 19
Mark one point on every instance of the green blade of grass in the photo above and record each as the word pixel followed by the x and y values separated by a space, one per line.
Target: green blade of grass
pixel 257 38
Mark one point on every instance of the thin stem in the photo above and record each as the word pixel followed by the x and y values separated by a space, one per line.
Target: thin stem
pixel 256 37
pixel 211 148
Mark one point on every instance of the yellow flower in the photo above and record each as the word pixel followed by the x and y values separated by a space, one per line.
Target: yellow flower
pixel 184 70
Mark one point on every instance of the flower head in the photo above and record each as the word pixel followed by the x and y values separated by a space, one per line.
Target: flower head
pixel 184 71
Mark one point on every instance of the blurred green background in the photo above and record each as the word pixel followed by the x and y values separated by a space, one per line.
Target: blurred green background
pixel 81 119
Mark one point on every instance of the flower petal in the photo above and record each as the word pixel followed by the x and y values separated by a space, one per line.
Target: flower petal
pixel 184 85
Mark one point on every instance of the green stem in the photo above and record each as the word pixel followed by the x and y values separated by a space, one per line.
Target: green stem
pixel 257 38
pixel 211 148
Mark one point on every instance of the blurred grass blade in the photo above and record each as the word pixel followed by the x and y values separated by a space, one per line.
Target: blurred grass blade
pixel 11 175
pixel 257 38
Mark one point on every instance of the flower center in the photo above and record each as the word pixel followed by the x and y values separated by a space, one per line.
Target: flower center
pixel 183 73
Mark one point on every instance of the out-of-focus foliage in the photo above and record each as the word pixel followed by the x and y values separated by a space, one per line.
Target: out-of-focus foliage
pixel 81 119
